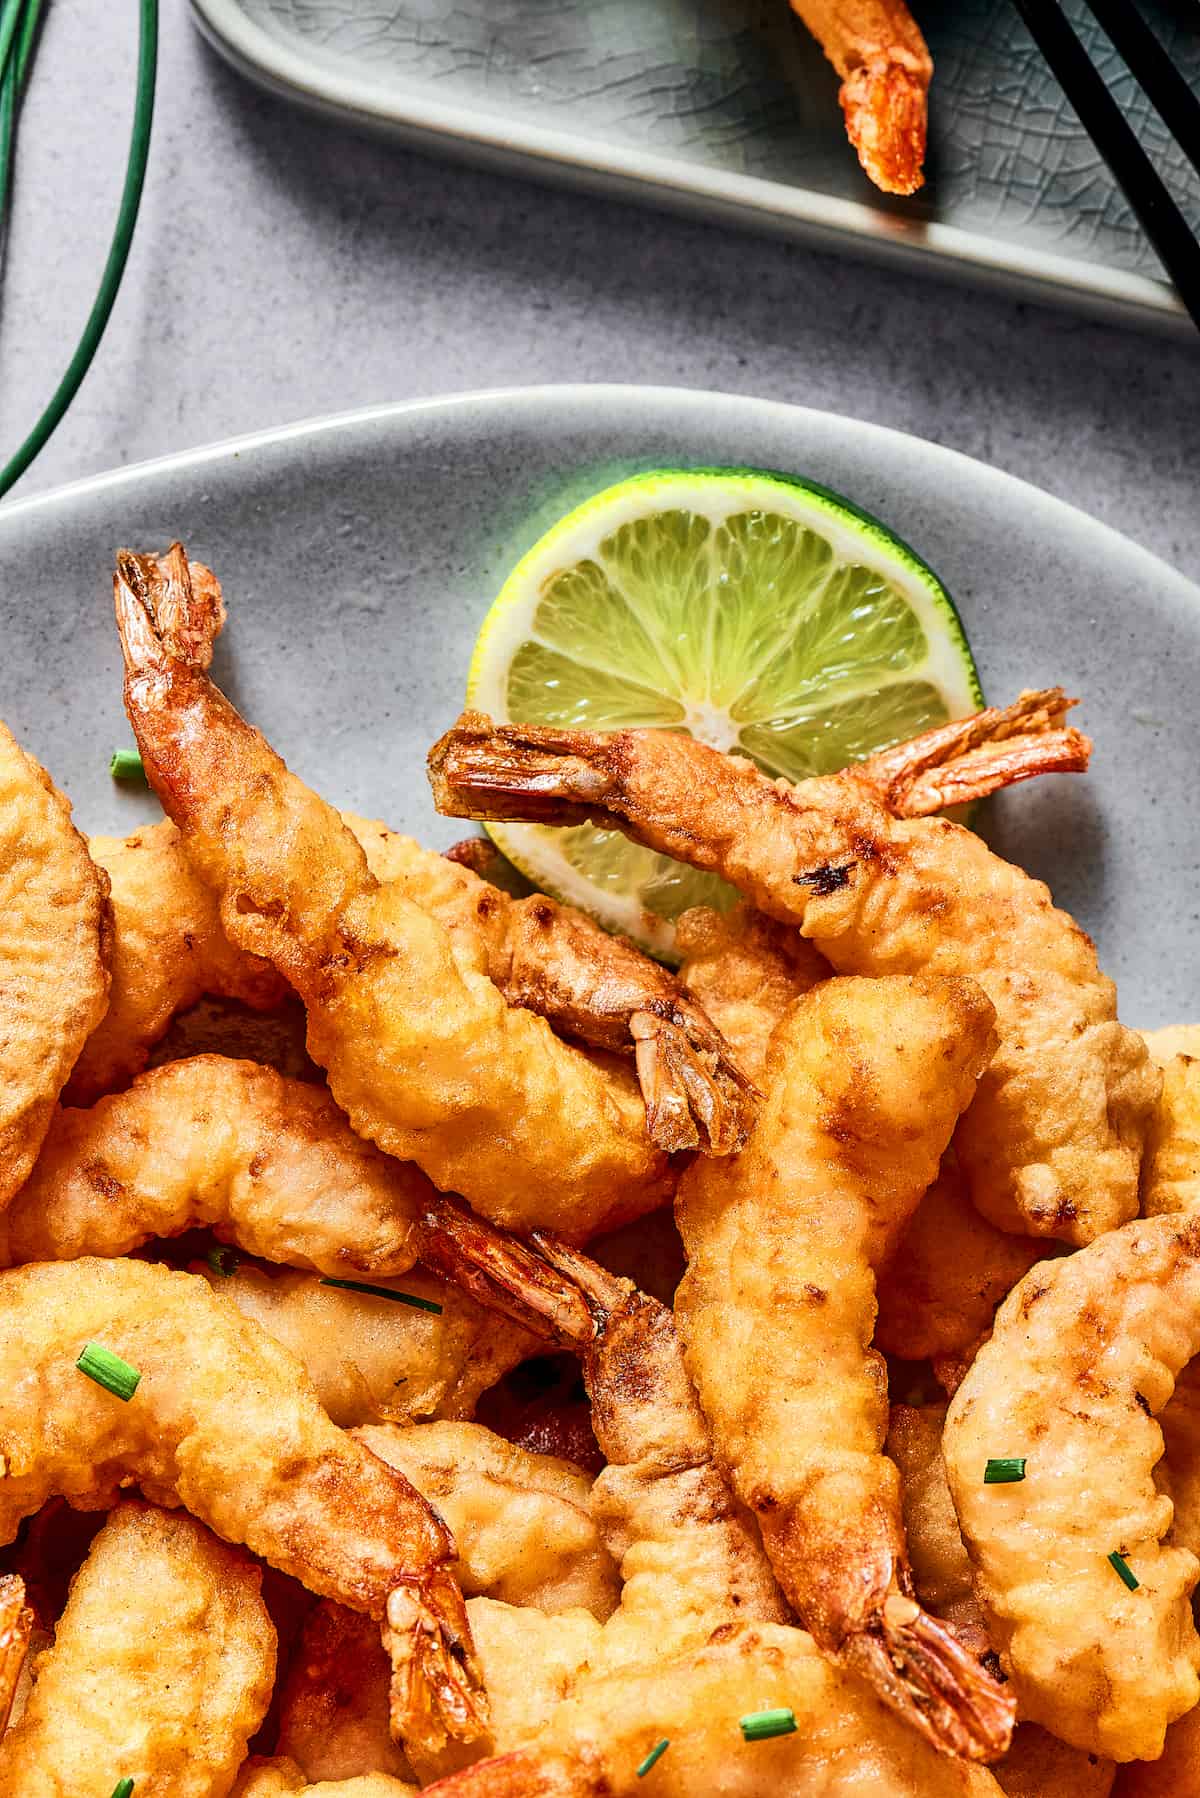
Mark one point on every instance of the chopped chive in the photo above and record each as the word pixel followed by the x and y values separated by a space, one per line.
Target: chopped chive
pixel 108 1370
pixel 223 1260
pixel 123 1788
pixel 655 1754
pixel 126 764
pixel 385 1292
pixel 1004 1471
pixel 1121 1566
pixel 759 1725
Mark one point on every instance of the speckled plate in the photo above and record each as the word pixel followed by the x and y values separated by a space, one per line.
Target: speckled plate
pixel 727 107
pixel 359 555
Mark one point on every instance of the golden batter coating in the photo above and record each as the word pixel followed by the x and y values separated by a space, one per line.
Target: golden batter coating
pixel 885 67
pixel 422 1052
pixel 846 1744
pixel 282 1778
pixel 270 1163
pixel 745 970
pixel 1171 1164
pixel 1171 1776
pixel 1052 1144
pixel 225 1422
pixel 160 1670
pixel 374 1360
pixel 54 947
pixel 939 1292
pixel 1084 1355
pixel 168 949
pixel 777 1310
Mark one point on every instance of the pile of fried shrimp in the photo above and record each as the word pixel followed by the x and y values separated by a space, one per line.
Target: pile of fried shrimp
pixel 442 1349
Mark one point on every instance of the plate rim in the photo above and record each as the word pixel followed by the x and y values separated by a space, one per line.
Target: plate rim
pixel 681 400
pixel 750 199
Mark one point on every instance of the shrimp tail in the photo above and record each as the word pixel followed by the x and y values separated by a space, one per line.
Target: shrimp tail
pixel 695 1096
pixel 923 1671
pixel 504 1275
pixel 885 108
pixel 537 774
pixel 181 599
pixel 437 1689
pixel 16 1627
pixel 971 757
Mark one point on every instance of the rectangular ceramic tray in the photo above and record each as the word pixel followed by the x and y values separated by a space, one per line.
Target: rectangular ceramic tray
pixel 727 108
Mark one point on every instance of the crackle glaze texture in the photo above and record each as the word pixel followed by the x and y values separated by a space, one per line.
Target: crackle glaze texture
pixel 738 86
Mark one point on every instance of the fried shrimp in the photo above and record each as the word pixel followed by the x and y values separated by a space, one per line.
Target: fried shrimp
pixel 54 933
pixel 224 1422
pixel 422 1051
pixel 845 1743
pixel 523 1523
pixel 553 960
pixel 745 970
pixel 168 950
pixel 374 1359
pixel 938 1293
pixel 270 1163
pixel 1052 1144
pixel 1171 1165
pixel 885 68
pixel 1084 1354
pixel 160 1670
pixel 1037 1764
pixel 777 1309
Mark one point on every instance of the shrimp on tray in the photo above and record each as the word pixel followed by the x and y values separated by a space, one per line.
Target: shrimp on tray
pixel 213 1415
pixel 1052 1143
pixel 421 1049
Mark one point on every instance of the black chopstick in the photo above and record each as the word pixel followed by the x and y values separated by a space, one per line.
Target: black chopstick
pixel 1102 119
pixel 1173 100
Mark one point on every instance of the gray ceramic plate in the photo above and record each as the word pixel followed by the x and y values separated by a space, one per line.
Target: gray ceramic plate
pixel 727 107
pixel 359 555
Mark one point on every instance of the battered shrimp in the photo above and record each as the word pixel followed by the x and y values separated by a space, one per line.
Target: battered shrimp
pixel 16 1628
pixel 845 1745
pixel 1171 1166
pixel 160 1671
pixel 421 1049
pixel 777 1309
pixel 553 960
pixel 168 949
pixel 1051 1145
pixel 270 1163
pixel 745 970
pixel 1084 1354
pixel 1037 1764
pixel 224 1422
pixel 523 1523
pixel 53 955
pixel 334 1703
pixel 375 1359
pixel 885 67
pixel 281 1778
pixel 939 1292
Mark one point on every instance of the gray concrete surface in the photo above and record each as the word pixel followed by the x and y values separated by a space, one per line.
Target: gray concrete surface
pixel 286 267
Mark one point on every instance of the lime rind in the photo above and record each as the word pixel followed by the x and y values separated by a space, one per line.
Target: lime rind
pixel 829 638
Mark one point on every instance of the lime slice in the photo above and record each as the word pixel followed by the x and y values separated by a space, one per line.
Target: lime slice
pixel 761 613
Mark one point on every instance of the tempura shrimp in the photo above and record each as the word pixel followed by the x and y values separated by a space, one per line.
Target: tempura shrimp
pixel 270 1163
pixel 224 1422
pixel 845 1743
pixel 422 1051
pixel 1084 1354
pixel 777 1309
pixel 745 969
pixel 1171 1166
pixel 373 1359
pixel 278 1777
pixel 885 68
pixel 54 948
pixel 160 1670
pixel 1051 1145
